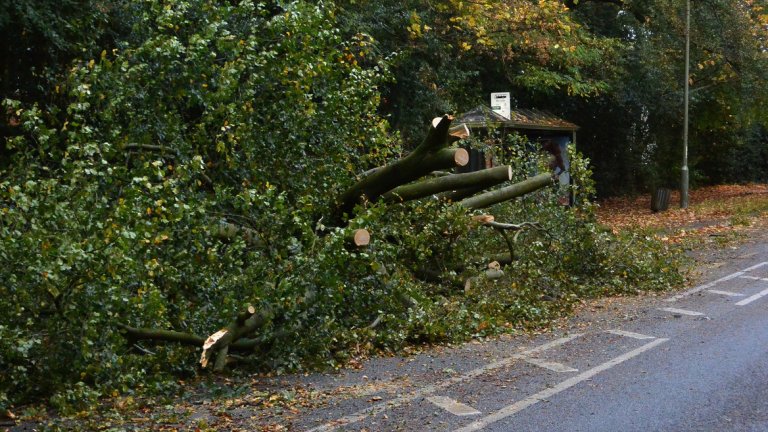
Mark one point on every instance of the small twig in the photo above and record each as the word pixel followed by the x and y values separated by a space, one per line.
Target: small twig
pixel 513 227
pixel 376 322
pixel 142 349
pixel 152 147
pixel 510 243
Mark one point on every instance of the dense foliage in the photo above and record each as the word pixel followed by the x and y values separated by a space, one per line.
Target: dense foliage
pixel 174 117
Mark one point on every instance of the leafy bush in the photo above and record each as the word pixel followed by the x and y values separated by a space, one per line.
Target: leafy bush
pixel 258 115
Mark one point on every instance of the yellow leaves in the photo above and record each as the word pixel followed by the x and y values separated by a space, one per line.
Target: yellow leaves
pixel 465 46
pixel 416 29
pixel 91 64
pixel 160 238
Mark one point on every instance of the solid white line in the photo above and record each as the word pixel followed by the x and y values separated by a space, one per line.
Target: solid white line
pixel 705 286
pixel 432 388
pixel 548 393
pixel 726 293
pixel 453 406
pixel 756 266
pixel 681 311
pixel 630 334
pixel 749 300
pixel 553 366
pixel 754 278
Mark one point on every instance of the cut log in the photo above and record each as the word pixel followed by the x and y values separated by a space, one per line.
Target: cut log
pixel 441 159
pixel 457 133
pixel 506 193
pixel 483 219
pixel 481 179
pixel 430 155
pixel 359 238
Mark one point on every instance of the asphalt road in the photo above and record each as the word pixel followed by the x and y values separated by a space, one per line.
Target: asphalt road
pixel 694 361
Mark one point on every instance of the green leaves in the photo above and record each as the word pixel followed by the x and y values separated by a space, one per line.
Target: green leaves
pixel 255 116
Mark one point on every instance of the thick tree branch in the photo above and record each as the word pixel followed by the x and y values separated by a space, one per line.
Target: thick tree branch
pixel 480 179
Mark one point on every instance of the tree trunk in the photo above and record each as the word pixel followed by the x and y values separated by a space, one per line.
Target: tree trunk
pixel 220 341
pixel 506 193
pixel 481 179
pixel 135 334
pixel 460 194
pixel 429 156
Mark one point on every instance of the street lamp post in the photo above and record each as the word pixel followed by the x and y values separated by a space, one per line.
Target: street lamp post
pixel 684 179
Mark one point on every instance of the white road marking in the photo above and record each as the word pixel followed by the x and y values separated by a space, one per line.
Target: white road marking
pixel 754 278
pixel 756 266
pixel 726 293
pixel 553 366
pixel 548 393
pixel 749 300
pixel 630 334
pixel 432 388
pixel 713 283
pixel 453 406
pixel 551 344
pixel 705 286
pixel 681 311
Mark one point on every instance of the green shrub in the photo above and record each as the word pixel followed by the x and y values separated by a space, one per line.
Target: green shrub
pixel 258 115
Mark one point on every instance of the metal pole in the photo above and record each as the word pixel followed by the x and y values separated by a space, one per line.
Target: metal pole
pixel 684 179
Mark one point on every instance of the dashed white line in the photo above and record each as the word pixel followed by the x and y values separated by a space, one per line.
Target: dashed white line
pixel 453 406
pixel 630 334
pixel 756 266
pixel 754 278
pixel 681 311
pixel 553 366
pixel 715 282
pixel 705 286
pixel 551 344
pixel 430 389
pixel 749 300
pixel 726 293
pixel 548 393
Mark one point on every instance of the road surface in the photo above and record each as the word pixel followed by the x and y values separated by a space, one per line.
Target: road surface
pixel 690 361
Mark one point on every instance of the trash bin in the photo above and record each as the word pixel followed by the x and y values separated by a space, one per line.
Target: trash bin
pixel 660 200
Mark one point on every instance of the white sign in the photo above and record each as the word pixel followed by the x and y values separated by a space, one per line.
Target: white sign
pixel 500 104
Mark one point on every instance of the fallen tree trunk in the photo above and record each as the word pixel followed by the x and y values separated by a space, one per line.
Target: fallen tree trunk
pixel 232 336
pixel 480 179
pixel 219 342
pixel 455 133
pixel 135 334
pixel 506 193
pixel 460 194
pixel 429 156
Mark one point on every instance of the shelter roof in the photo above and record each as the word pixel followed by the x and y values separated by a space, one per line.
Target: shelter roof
pixel 483 116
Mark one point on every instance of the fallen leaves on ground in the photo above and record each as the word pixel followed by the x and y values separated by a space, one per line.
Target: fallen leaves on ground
pixel 712 211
